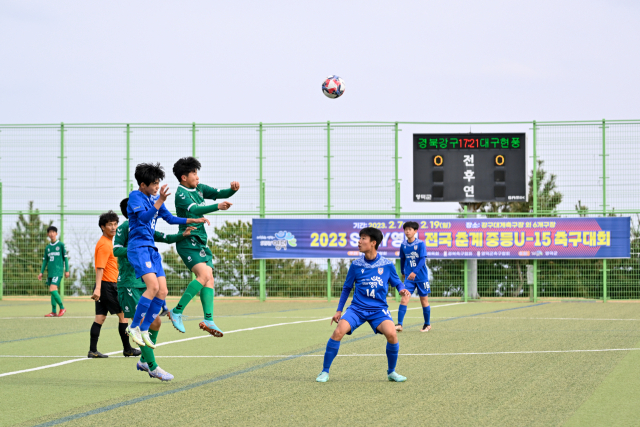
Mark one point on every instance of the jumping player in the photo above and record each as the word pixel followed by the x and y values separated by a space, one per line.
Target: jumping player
pixel 413 256
pixel 57 263
pixel 130 290
pixel 143 210
pixel 196 255
pixel 371 274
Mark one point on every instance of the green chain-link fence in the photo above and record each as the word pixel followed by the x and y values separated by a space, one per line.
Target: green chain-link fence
pixel 67 175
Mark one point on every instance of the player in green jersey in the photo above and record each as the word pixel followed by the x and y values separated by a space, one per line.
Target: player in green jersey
pixel 131 289
pixel 57 263
pixel 190 203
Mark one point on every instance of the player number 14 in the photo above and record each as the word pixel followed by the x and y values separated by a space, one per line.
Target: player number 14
pixel 371 293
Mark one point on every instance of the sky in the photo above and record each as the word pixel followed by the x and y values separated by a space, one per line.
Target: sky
pixel 251 61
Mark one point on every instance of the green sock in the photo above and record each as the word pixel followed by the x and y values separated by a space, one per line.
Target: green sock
pixel 191 291
pixel 56 296
pixel 53 303
pixel 206 296
pixel 147 353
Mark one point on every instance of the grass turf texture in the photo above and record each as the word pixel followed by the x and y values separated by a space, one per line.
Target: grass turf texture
pixel 572 388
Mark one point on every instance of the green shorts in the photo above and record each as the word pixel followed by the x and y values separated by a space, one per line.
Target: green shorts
pixel 55 281
pixel 128 299
pixel 193 252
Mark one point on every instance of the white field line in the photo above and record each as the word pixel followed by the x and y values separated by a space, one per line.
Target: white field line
pixel 534 318
pixel 66 362
pixel 492 353
pixel 252 316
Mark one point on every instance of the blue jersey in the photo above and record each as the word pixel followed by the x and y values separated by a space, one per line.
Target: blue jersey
pixel 143 217
pixel 371 279
pixel 413 259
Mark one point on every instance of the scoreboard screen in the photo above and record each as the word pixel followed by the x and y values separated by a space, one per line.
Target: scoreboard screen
pixel 469 167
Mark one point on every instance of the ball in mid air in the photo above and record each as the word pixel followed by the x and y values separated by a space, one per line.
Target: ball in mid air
pixel 333 87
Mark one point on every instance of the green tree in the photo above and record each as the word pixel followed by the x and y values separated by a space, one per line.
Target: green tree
pixel 237 273
pixel 25 249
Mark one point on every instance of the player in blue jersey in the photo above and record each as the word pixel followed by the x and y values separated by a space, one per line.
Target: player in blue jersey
pixel 413 264
pixel 144 208
pixel 370 274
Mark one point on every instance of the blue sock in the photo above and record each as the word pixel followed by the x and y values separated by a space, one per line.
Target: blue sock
pixel 141 310
pixel 426 312
pixel 154 309
pixel 330 354
pixel 392 356
pixel 402 310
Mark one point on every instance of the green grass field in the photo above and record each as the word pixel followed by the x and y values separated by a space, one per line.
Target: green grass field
pixel 483 364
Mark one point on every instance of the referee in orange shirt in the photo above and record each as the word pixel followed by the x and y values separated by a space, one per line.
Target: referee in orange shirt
pixel 105 292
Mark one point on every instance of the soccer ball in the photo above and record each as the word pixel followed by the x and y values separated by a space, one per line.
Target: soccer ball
pixel 333 87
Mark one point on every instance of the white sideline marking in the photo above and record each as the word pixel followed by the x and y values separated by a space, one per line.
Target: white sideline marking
pixel 252 316
pixel 370 355
pixel 66 362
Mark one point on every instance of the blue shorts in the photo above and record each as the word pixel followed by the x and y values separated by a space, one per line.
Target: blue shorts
pixel 424 289
pixel 357 317
pixel 145 260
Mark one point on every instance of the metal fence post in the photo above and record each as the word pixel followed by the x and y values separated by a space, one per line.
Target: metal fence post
pixel 61 199
pixel 128 183
pixel 465 296
pixel 604 205
pixel 328 203
pixel 397 194
pixel 262 262
pixel 535 208
pixel 1 244
pixel 193 154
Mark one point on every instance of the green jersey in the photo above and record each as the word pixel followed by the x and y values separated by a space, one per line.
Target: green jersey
pixel 55 259
pixel 190 203
pixel 126 274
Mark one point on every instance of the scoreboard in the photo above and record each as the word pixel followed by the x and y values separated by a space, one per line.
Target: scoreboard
pixel 469 167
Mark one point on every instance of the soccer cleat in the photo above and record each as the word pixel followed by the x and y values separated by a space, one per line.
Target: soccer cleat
pixel 323 377
pixel 147 339
pixel 176 321
pixel 135 335
pixel 144 367
pixel 425 328
pixel 165 309
pixel 160 374
pixel 394 376
pixel 62 312
pixel 131 352
pixel 96 355
pixel 399 327
pixel 209 326
pixel 52 314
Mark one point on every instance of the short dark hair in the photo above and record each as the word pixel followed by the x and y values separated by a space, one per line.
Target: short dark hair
pixel 123 207
pixel 411 224
pixel 185 166
pixel 149 173
pixel 52 228
pixel 373 233
pixel 106 218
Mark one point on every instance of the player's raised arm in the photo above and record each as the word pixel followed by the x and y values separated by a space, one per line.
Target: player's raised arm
pixel 214 193
pixel 201 210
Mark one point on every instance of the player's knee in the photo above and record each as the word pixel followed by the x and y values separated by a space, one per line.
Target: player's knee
pixel 162 293
pixel 157 323
pixel 99 319
pixel 392 338
pixel 337 335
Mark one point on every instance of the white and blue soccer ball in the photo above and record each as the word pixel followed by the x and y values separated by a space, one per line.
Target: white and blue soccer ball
pixel 333 87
